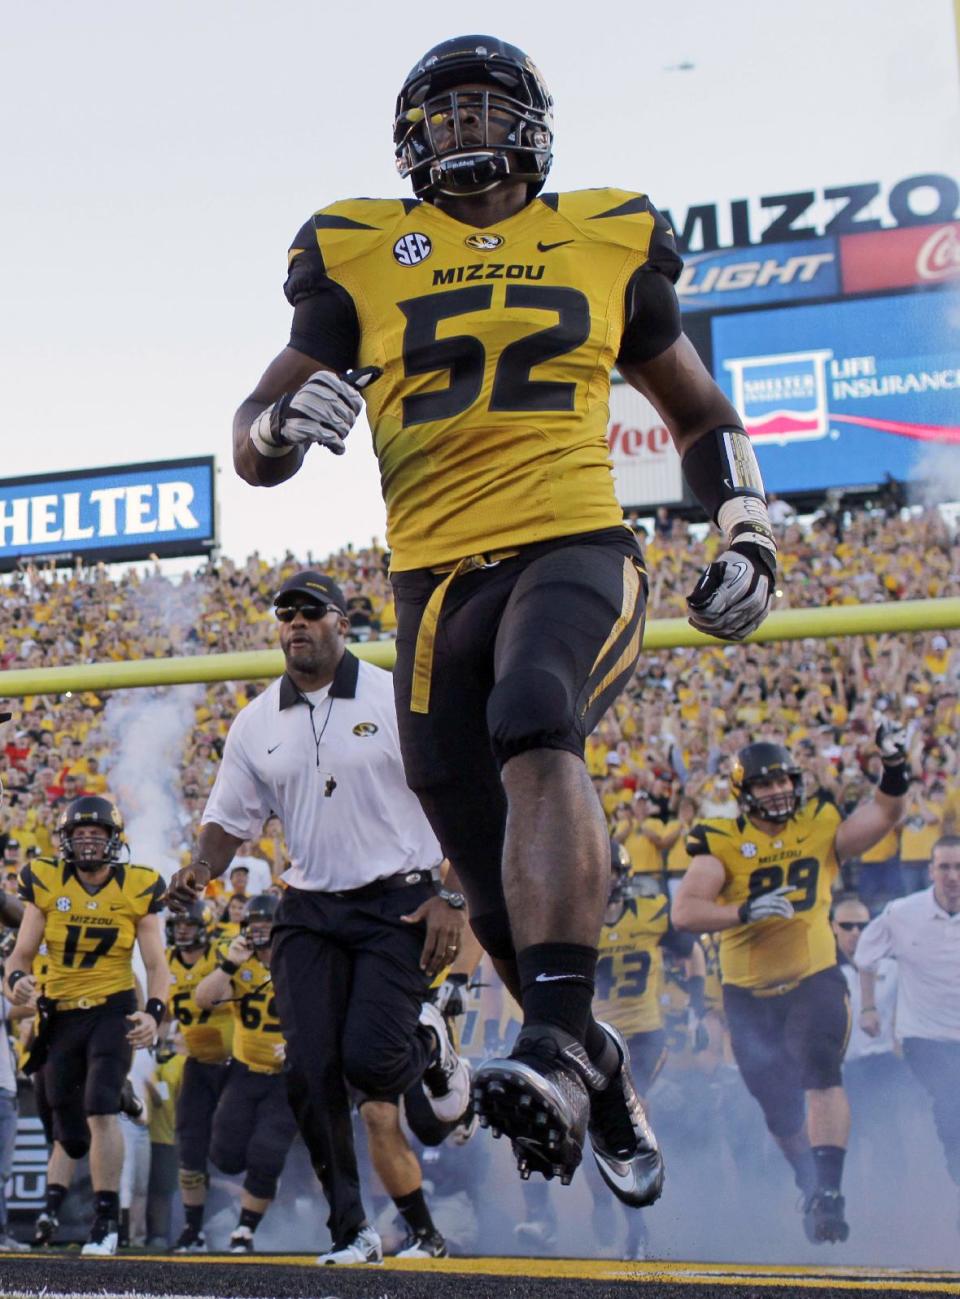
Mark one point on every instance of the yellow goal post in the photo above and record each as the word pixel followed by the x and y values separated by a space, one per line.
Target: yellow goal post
pixel 895 617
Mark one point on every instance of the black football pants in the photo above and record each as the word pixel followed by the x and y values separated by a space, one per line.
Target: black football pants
pixel 349 990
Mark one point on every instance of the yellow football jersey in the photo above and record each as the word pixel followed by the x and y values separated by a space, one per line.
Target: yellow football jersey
pixel 629 975
pixel 90 936
pixel 772 953
pixel 490 418
pixel 208 1034
pixel 257 1042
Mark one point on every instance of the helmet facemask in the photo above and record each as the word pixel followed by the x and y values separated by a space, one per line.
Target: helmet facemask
pixel 90 854
pixel 778 806
pixel 467 141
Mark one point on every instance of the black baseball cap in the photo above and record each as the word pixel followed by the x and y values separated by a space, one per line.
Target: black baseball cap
pixel 316 586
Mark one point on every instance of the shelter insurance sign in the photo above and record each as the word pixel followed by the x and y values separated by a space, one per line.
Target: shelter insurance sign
pixel 122 512
pixel 842 394
pixel 646 467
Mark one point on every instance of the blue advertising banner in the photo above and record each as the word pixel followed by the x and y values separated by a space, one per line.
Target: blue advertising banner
pixel 120 512
pixel 746 277
pixel 843 394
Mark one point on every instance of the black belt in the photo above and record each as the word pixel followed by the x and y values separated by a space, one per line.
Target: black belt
pixel 404 880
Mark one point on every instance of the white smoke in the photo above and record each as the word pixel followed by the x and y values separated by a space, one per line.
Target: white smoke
pixel 935 478
pixel 146 730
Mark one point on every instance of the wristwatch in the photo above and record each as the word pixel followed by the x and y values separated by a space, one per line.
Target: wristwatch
pixel 455 900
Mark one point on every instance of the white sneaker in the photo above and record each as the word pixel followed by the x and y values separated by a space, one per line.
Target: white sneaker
pixel 428 1245
pixel 364 1247
pixel 447 1082
pixel 8 1245
pixel 104 1235
pixel 241 1241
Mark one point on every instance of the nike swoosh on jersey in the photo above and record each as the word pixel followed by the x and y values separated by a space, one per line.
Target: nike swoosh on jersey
pixel 275 747
pixel 545 248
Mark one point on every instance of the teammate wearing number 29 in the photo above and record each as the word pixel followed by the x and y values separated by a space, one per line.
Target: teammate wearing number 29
pixel 481 319
pixel 764 880
pixel 90 908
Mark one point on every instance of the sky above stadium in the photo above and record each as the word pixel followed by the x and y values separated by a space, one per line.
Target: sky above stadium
pixel 164 155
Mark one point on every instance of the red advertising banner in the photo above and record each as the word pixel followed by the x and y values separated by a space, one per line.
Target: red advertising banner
pixel 894 259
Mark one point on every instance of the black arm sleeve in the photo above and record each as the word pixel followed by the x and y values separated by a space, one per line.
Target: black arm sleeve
pixel 652 316
pixel 652 312
pixel 325 324
pixel 679 943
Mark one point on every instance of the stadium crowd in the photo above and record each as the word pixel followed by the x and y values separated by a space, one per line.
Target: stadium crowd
pixel 661 761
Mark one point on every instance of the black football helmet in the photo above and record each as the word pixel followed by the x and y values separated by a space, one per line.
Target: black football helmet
pixel 455 142
pixel 760 761
pixel 258 917
pixel 90 809
pixel 191 927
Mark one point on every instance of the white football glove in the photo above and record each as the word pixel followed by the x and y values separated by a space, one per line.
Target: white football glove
pixel 767 905
pixel 734 593
pixel 323 410
pixel 891 740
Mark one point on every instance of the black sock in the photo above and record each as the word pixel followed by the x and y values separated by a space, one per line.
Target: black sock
pixel 828 1162
pixel 250 1218
pixel 804 1172
pixel 193 1213
pixel 56 1194
pixel 556 983
pixel 107 1205
pixel 415 1213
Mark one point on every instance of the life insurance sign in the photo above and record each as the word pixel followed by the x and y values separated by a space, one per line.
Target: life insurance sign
pixel 646 467
pixel 118 513
pixel 842 394
pixel 746 277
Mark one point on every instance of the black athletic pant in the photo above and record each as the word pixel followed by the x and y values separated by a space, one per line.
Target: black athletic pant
pixel 349 990
pixel 936 1064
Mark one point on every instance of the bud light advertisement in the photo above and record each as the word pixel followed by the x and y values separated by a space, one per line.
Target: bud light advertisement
pixel 842 395
pixel 748 277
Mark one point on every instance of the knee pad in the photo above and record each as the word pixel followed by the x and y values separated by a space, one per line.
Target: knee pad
pixel 75 1148
pixel 783 1108
pixel 493 934
pixel 191 1180
pixel 230 1162
pixel 528 709
pixel 372 1078
pixel 260 1185
pixel 823 1066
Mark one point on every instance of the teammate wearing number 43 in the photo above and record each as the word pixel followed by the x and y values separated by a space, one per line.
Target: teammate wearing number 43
pixel 480 319
pixel 764 880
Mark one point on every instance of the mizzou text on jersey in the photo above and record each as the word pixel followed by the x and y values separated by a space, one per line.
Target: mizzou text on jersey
pixel 90 936
pixel 775 953
pixel 208 1034
pixel 496 347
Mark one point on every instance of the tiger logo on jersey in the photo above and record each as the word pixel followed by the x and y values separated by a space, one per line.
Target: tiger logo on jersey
pixel 776 953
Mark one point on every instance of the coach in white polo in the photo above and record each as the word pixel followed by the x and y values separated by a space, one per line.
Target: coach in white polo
pixel 361 927
pixel 922 933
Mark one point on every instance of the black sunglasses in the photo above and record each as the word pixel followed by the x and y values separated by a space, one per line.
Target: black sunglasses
pixel 312 612
pixel 852 924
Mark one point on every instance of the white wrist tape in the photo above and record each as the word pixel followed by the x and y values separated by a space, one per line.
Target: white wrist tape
pixel 260 437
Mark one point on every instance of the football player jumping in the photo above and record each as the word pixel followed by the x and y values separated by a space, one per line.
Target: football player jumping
pixel 764 880
pixel 481 318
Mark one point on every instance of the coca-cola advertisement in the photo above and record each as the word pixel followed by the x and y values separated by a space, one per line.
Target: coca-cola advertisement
pixel 895 259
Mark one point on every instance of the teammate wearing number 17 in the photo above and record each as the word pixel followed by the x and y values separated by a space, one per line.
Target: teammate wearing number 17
pixel 481 318
pixel 764 881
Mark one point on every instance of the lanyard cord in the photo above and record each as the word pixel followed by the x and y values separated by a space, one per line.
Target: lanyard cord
pixel 317 738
